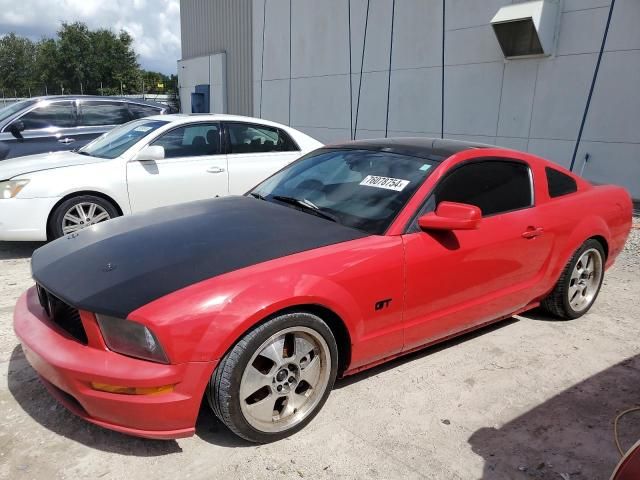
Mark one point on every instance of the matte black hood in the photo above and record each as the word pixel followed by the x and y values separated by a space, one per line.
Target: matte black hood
pixel 121 265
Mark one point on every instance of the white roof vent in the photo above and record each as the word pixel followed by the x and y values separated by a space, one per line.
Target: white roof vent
pixel 527 29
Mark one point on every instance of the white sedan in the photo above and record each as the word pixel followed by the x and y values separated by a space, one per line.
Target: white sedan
pixel 147 163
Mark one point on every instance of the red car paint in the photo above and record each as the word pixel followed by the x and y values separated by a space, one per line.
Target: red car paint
pixel 629 466
pixel 435 292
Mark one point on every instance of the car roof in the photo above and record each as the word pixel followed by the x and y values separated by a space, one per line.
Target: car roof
pixel 436 149
pixel 213 117
pixel 96 97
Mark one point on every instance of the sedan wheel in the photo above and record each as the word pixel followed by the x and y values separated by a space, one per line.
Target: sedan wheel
pixel 76 213
pixel 83 215
pixel 276 378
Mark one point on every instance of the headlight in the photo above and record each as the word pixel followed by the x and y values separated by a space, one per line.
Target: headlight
pixel 11 188
pixel 131 339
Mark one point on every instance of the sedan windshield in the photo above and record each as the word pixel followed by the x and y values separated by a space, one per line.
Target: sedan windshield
pixel 362 189
pixel 115 142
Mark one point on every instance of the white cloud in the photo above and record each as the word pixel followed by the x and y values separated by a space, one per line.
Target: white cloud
pixel 154 24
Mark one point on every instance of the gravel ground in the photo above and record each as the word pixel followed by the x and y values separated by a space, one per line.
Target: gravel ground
pixel 527 398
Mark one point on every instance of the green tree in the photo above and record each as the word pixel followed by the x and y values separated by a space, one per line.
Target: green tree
pixel 47 70
pixel 76 56
pixel 92 61
pixel 17 64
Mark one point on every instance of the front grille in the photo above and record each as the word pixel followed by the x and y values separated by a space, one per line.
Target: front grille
pixel 62 314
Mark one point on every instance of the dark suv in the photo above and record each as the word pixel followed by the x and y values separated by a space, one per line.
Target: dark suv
pixel 47 124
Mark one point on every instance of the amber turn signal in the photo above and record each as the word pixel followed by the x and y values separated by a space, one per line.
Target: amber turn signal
pixel 103 387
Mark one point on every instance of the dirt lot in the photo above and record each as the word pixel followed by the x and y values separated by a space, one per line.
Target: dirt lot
pixel 528 398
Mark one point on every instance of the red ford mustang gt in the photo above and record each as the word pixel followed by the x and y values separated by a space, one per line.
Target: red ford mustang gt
pixel 353 255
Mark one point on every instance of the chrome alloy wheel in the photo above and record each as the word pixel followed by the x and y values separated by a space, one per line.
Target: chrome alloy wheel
pixel 285 379
pixel 83 215
pixel 585 280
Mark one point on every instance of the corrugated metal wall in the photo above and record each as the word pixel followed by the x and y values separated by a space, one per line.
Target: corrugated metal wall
pixel 210 26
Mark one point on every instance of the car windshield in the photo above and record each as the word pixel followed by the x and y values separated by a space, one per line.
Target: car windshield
pixel 9 110
pixel 115 142
pixel 361 189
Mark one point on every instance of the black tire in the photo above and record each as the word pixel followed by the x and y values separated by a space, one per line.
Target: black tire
pixel 223 391
pixel 55 227
pixel 557 303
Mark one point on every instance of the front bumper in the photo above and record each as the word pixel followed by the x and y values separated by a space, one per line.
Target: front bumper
pixel 67 368
pixel 25 218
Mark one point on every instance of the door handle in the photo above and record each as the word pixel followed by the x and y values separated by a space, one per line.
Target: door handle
pixel 533 232
pixel 66 140
pixel 215 169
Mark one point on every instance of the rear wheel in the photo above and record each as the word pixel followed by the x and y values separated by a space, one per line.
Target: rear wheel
pixel 80 212
pixel 579 283
pixel 276 378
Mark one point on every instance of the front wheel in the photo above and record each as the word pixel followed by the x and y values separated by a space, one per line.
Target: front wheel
pixel 579 284
pixel 80 212
pixel 276 378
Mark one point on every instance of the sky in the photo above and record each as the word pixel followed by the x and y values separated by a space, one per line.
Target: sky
pixel 153 24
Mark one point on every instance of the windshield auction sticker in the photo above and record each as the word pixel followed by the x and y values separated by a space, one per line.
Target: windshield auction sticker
pixel 387 183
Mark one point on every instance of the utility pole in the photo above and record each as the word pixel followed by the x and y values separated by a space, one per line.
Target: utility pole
pixel 101 89
pixel 121 94
pixel 45 89
pixel 81 92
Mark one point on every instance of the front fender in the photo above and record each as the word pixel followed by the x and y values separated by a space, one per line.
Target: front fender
pixel 250 306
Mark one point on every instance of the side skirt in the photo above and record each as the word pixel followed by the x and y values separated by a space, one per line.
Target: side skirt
pixel 440 340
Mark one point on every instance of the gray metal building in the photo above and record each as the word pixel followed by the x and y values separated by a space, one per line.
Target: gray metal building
pixel 340 69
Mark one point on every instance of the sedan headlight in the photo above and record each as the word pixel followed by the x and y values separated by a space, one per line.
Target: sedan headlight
pixel 11 188
pixel 131 339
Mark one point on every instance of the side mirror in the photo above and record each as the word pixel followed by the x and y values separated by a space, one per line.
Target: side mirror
pixel 451 216
pixel 16 129
pixel 150 152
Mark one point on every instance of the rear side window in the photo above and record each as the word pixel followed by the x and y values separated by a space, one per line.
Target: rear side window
pixel 559 183
pixel 103 113
pixel 141 111
pixel 248 138
pixel 494 186
pixel 56 115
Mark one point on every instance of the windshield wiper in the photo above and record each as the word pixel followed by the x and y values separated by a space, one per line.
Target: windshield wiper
pixel 257 195
pixel 306 206
pixel 82 153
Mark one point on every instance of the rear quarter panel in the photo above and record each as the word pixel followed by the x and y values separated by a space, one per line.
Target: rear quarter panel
pixel 572 219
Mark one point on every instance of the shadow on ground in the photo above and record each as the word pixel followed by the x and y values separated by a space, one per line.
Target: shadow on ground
pixel 570 434
pixel 17 250
pixel 35 400
pixel 390 365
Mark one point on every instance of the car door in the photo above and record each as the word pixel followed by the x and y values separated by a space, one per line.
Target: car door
pixel 193 168
pixel 255 152
pixel 456 280
pixel 96 117
pixel 48 127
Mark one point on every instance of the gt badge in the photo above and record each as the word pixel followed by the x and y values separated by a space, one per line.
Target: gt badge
pixel 382 304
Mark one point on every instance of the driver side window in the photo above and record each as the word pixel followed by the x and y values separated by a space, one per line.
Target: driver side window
pixel 52 115
pixel 494 186
pixel 191 141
